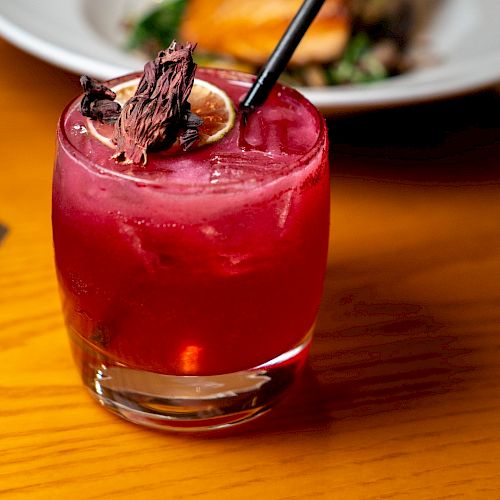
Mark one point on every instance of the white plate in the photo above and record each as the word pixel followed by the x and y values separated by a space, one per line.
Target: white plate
pixel 87 36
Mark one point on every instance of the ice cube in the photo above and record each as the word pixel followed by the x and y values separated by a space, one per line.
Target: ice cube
pixel 210 231
pixel 283 207
pixel 131 232
pixel 246 165
pixel 234 263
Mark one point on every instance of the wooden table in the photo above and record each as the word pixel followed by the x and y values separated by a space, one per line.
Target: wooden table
pixel 402 395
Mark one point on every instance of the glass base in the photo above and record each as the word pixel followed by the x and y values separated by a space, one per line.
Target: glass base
pixel 189 403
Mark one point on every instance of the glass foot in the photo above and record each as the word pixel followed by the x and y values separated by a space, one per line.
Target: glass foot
pixel 190 403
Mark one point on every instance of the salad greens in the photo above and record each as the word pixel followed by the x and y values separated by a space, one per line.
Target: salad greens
pixel 374 51
pixel 159 27
pixel 358 64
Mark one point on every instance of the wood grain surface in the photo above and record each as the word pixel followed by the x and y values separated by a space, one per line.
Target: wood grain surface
pixel 401 398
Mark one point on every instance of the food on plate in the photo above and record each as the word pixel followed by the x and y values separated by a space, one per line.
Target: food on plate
pixel 350 41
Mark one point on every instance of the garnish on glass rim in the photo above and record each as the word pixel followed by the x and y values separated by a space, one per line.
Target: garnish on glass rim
pixel 159 109
pixel 208 101
pixel 98 102
pixel 158 114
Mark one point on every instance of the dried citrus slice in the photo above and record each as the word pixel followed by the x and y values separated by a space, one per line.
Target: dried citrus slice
pixel 209 102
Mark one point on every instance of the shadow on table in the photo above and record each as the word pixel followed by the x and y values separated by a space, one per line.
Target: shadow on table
pixel 382 357
pixel 376 352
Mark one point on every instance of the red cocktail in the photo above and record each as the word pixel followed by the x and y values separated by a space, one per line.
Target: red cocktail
pixel 191 285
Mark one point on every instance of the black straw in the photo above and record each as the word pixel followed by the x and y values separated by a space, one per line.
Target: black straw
pixel 278 60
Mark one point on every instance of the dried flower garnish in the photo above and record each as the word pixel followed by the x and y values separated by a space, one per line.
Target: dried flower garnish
pixel 159 112
pixel 98 101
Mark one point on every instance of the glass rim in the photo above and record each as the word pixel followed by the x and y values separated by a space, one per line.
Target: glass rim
pixel 197 187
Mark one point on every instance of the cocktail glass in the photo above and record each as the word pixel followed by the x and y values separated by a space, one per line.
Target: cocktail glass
pixel 190 286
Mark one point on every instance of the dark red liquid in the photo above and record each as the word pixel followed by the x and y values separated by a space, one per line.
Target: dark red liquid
pixel 204 263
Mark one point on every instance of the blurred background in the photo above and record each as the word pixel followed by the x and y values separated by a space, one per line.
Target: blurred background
pixel 357 55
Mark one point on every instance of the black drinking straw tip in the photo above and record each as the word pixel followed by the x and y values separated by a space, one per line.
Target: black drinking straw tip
pixel 278 60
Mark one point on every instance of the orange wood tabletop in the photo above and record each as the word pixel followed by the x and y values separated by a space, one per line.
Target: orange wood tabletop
pixel 401 397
